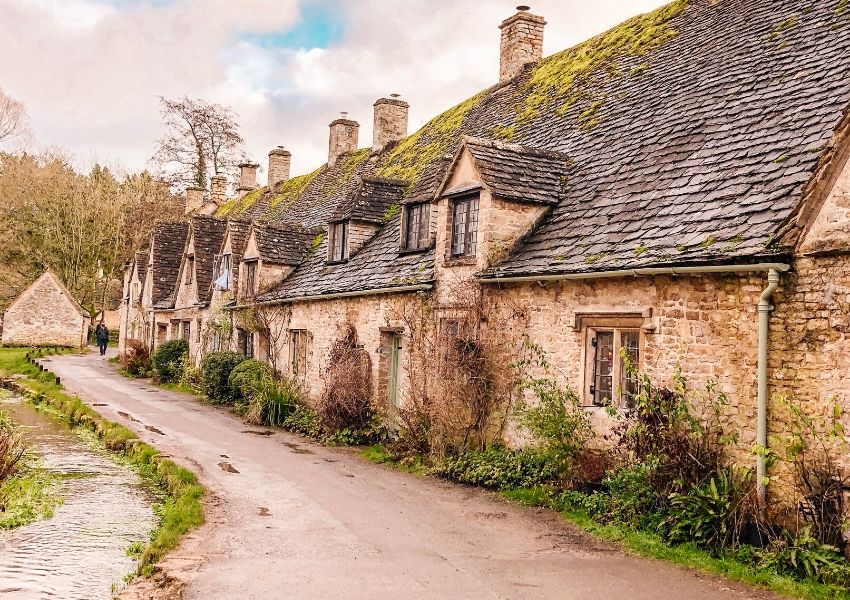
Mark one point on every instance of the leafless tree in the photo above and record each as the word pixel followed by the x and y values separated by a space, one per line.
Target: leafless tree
pixel 14 122
pixel 201 139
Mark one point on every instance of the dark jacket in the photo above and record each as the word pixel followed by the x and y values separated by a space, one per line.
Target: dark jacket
pixel 102 333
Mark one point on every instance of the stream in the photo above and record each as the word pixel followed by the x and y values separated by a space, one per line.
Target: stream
pixel 79 553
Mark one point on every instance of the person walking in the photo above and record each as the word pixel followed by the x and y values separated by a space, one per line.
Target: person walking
pixel 101 334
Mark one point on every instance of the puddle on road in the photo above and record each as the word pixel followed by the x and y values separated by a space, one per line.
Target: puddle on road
pixel 81 551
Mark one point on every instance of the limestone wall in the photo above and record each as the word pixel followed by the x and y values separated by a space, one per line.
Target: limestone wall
pixel 44 316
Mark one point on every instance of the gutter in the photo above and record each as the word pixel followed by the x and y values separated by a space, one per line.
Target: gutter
pixel 373 292
pixel 781 267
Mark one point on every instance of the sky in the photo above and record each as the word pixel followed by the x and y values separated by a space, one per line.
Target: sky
pixel 91 72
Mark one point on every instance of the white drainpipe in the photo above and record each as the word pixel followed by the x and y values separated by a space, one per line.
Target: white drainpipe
pixel 761 425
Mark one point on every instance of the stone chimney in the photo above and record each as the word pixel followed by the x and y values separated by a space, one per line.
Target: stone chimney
pixel 343 138
pixel 279 161
pixel 390 121
pixel 247 178
pixel 194 199
pixel 218 189
pixel 522 42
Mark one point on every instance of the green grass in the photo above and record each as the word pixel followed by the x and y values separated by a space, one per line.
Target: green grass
pixel 181 510
pixel 30 495
pixel 378 454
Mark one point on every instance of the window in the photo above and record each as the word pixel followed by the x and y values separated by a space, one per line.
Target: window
pixel 298 352
pixel 417 226
pixel 198 331
pixel 246 342
pixel 187 331
pixel 610 351
pixel 464 226
pixel 217 340
pixel 339 242
pixel 136 292
pixel 223 275
pixel 190 269
pixel 250 278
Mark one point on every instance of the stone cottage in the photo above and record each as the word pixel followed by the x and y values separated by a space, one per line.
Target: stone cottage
pixel 675 191
pixel 46 314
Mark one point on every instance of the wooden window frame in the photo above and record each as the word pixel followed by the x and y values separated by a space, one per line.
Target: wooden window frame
pixel 190 269
pixel 416 227
pixel 186 331
pixel 251 267
pixel 617 327
pixel 338 242
pixel 468 208
pixel 298 352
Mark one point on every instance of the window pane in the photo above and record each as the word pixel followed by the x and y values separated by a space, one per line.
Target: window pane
pixel 604 367
pixel 472 226
pixel 424 222
pixel 630 342
pixel 459 227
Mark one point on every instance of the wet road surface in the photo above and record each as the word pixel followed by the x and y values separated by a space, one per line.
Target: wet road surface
pixel 80 552
pixel 290 519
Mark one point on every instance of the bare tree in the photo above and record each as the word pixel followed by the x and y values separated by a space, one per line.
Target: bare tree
pixel 14 122
pixel 201 139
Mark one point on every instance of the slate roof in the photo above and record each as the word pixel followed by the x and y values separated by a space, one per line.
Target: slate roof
pixel 515 172
pixel 208 236
pixel 372 200
pixel 282 244
pixel 169 242
pixel 690 132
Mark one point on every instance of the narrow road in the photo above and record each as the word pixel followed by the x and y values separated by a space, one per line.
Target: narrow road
pixel 291 519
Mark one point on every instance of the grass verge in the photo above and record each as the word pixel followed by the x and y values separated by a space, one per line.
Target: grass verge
pixel 181 511
pixel 640 542
pixel 28 496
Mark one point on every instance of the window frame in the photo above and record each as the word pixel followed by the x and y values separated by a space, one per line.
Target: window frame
pixel 621 380
pixel 338 250
pixel 190 269
pixel 298 349
pixel 186 331
pixel 245 342
pixel 216 341
pixel 418 213
pixel 470 214
pixel 251 268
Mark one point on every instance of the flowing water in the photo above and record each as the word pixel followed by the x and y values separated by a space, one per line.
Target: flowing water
pixel 79 553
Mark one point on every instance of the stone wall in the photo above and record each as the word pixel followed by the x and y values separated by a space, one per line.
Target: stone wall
pixel 342 139
pixel 521 43
pixel 44 316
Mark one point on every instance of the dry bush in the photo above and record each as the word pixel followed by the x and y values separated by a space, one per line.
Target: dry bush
pixel 461 385
pixel 11 450
pixel 346 402
pixel 136 359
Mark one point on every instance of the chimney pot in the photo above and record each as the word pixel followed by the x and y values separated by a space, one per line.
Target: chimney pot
pixel 390 123
pixel 521 43
pixel 343 138
pixel 279 163
pixel 194 199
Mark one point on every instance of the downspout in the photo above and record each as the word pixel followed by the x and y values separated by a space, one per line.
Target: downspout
pixel 765 308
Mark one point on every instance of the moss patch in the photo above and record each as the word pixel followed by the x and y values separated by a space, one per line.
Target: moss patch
pixel 563 77
pixel 290 190
pixel 29 496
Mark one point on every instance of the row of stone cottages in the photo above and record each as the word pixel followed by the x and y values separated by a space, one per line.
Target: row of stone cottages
pixel 676 188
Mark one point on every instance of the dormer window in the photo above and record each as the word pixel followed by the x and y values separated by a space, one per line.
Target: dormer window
pixel 465 226
pixel 250 278
pixel 416 234
pixel 223 274
pixel 190 269
pixel 338 243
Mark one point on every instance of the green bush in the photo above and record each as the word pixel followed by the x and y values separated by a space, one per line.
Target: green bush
pixel 802 556
pixel 713 515
pixel 631 498
pixel 246 376
pixel 272 400
pixel 168 359
pixel 215 376
pixel 303 420
pixel 501 468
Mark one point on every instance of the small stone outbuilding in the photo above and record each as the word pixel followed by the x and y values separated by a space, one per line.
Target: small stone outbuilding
pixel 46 314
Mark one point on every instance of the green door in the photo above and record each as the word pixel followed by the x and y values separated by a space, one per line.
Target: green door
pixel 395 369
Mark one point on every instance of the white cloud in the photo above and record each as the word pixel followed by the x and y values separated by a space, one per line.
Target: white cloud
pixel 92 72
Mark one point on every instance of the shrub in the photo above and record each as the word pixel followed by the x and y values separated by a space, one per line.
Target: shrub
pixel 215 376
pixel 190 376
pixel 713 515
pixel 499 468
pixel 11 449
pixel 557 421
pixel 631 498
pixel 168 359
pixel 802 556
pixel 136 359
pixel 303 420
pixel 246 376
pixel 346 400
pixel 272 400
